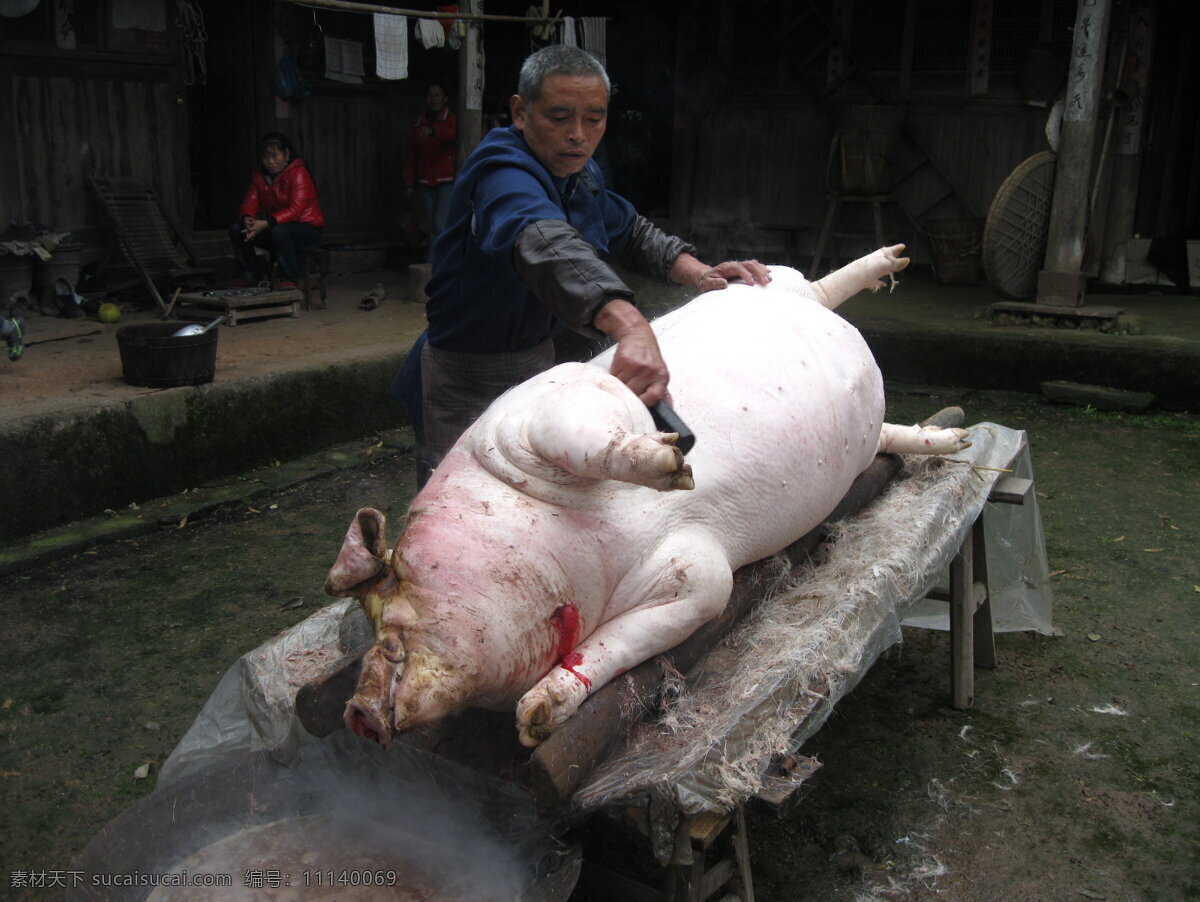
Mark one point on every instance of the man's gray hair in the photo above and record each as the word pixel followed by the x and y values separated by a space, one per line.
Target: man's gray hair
pixel 557 59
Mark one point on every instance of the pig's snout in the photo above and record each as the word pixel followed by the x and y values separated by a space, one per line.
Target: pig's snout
pixel 370 712
pixel 368 719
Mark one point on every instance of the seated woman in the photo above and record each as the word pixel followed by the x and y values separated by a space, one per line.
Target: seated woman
pixel 280 212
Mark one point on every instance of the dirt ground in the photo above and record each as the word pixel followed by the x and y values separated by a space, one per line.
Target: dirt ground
pixel 78 361
pixel 1074 776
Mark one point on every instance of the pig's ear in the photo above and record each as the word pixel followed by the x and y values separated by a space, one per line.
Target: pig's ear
pixel 363 554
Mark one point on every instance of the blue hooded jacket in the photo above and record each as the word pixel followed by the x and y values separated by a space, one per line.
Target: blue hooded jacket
pixel 478 303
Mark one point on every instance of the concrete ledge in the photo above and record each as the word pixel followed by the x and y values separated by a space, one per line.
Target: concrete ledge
pixel 68 467
pixel 175 511
pixel 1021 362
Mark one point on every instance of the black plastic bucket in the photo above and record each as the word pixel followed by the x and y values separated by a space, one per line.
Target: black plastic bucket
pixel 152 356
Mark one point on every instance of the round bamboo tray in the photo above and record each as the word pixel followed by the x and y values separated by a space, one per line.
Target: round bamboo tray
pixel 1017 224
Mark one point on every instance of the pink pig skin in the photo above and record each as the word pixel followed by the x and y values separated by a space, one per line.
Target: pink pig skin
pixel 564 494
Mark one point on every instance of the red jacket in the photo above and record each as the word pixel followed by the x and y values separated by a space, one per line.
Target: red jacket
pixel 431 157
pixel 290 197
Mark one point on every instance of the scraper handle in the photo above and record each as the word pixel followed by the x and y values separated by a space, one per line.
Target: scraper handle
pixel 667 420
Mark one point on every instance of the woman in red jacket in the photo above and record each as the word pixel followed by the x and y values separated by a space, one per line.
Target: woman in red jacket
pixel 280 212
pixel 430 163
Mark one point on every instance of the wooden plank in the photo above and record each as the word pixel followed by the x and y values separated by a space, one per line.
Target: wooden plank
pixel 1011 490
pixel 1100 313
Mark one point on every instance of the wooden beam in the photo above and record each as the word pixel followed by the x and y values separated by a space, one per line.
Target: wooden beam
pixel 1073 173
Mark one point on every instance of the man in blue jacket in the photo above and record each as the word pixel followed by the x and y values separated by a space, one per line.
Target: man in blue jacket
pixel 527 245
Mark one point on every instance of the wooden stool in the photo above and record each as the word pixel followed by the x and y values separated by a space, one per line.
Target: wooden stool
pixel 972 641
pixel 720 861
pixel 314 264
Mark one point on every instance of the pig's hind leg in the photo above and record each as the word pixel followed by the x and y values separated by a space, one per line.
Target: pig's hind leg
pixel 685 583
pixel 859 275
pixel 589 433
pixel 895 439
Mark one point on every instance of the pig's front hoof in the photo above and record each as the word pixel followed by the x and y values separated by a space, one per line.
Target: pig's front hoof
pixel 547 705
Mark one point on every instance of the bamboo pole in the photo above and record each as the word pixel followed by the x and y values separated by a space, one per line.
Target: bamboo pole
pixel 348 6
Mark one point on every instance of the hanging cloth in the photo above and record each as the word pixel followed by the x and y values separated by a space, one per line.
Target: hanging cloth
pixel 594 38
pixel 391 46
pixel 568 32
pixel 430 33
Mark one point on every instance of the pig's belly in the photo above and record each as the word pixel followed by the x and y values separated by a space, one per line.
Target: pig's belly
pixel 786 402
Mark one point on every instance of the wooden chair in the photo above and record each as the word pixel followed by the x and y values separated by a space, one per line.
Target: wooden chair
pixel 861 177
pixel 149 237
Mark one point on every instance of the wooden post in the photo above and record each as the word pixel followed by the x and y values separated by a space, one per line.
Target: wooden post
pixel 962 623
pixel 470 85
pixel 1062 281
pixel 1127 157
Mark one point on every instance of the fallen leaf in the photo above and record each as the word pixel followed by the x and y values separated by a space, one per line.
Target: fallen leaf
pixel 1057 572
pixel 274 507
pixel 183 522
pixel 292 603
pixel 1119 539
pixel 142 772
pixel 254 510
pixel 152 725
pixel 10 773
pixel 1154 549
pixel 1094 637
pixel 8 701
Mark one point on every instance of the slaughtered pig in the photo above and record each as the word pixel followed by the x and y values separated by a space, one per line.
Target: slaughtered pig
pixel 564 540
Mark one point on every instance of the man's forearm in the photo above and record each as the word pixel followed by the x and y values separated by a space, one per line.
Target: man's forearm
pixel 619 318
pixel 687 270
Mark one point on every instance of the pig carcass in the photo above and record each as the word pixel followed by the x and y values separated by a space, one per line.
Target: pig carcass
pixel 565 540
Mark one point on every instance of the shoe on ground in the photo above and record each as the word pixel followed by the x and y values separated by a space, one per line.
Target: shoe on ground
pixel 16 339
pixel 373 298
pixel 241 283
pixel 288 285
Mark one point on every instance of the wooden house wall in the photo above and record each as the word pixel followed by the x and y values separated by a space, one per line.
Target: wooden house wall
pixel 760 98
pixel 355 143
pixel 121 123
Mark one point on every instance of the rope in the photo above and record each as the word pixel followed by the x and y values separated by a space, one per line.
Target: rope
pixel 191 23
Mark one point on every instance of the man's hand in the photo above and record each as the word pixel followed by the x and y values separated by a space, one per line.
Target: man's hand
pixel 637 360
pixel 687 270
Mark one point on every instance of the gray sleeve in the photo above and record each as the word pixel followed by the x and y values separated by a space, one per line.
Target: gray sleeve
pixel 651 251
pixel 566 274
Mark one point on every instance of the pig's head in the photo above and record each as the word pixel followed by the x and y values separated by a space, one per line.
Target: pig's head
pixel 406 677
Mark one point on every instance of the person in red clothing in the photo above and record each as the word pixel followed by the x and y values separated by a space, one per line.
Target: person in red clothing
pixel 430 164
pixel 280 212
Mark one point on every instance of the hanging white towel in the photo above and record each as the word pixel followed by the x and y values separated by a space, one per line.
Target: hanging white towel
pixel 594 38
pixel 430 33
pixel 391 46
pixel 568 32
